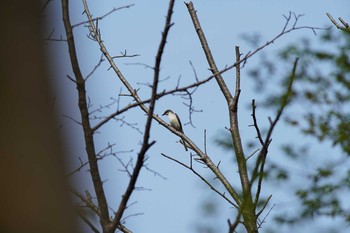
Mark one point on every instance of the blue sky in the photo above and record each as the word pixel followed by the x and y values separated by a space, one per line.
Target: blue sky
pixel 172 205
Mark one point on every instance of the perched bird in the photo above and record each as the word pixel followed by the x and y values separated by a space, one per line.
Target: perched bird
pixel 175 122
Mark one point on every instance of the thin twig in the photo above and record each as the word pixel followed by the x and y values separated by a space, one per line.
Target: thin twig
pixel 124 54
pixel 255 123
pixel 103 16
pixel 252 154
pixel 45 5
pixel 205 141
pixel 101 107
pixel 122 228
pixel 72 119
pixel 126 166
pixel 154 172
pixel 263 220
pixel 88 222
pixel 79 168
pixel 283 32
pixel 95 68
pixel 71 79
pixel 343 22
pixel 263 208
pixel 87 201
pixel 201 177
pixel 233 226
pixel 260 163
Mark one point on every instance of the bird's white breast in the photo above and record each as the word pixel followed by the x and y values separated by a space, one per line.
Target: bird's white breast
pixel 173 120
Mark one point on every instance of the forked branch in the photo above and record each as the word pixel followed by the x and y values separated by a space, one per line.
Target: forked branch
pixel 344 28
pixel 258 171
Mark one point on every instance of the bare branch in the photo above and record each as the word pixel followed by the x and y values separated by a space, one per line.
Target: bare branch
pixel 140 103
pixel 263 220
pixel 344 28
pixel 49 37
pixel 118 112
pixel 122 228
pixel 282 33
pixel 252 154
pixel 71 79
pixel 101 107
pixel 255 123
pixel 99 157
pixel 131 125
pixel 125 54
pixel 236 137
pixel 125 166
pixel 221 83
pixel 72 119
pixel 87 200
pixel 131 215
pixel 260 163
pixel 79 168
pixel 202 178
pixel 263 208
pixel 45 5
pixel 207 52
pixel 233 226
pixel 343 22
pixel 103 16
pixel 194 71
pixel 95 68
pixel 140 64
pixel 88 133
pixel 111 225
pixel 108 147
pixel 88 222
pixel 198 83
pixel 155 173
pixel 205 141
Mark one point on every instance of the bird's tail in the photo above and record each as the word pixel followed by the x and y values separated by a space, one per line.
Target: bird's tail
pixel 184 143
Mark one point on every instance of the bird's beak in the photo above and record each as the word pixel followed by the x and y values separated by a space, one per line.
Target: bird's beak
pixel 163 114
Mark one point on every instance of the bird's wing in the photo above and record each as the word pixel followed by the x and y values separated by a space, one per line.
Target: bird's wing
pixel 178 118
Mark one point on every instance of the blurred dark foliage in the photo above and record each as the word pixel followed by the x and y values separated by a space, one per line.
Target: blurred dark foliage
pixel 322 95
pixel 322 91
pixel 319 109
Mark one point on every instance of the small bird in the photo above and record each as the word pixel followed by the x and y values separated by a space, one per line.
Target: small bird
pixel 175 123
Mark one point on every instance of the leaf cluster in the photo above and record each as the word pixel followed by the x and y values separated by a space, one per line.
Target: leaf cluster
pixel 322 91
pixel 320 105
